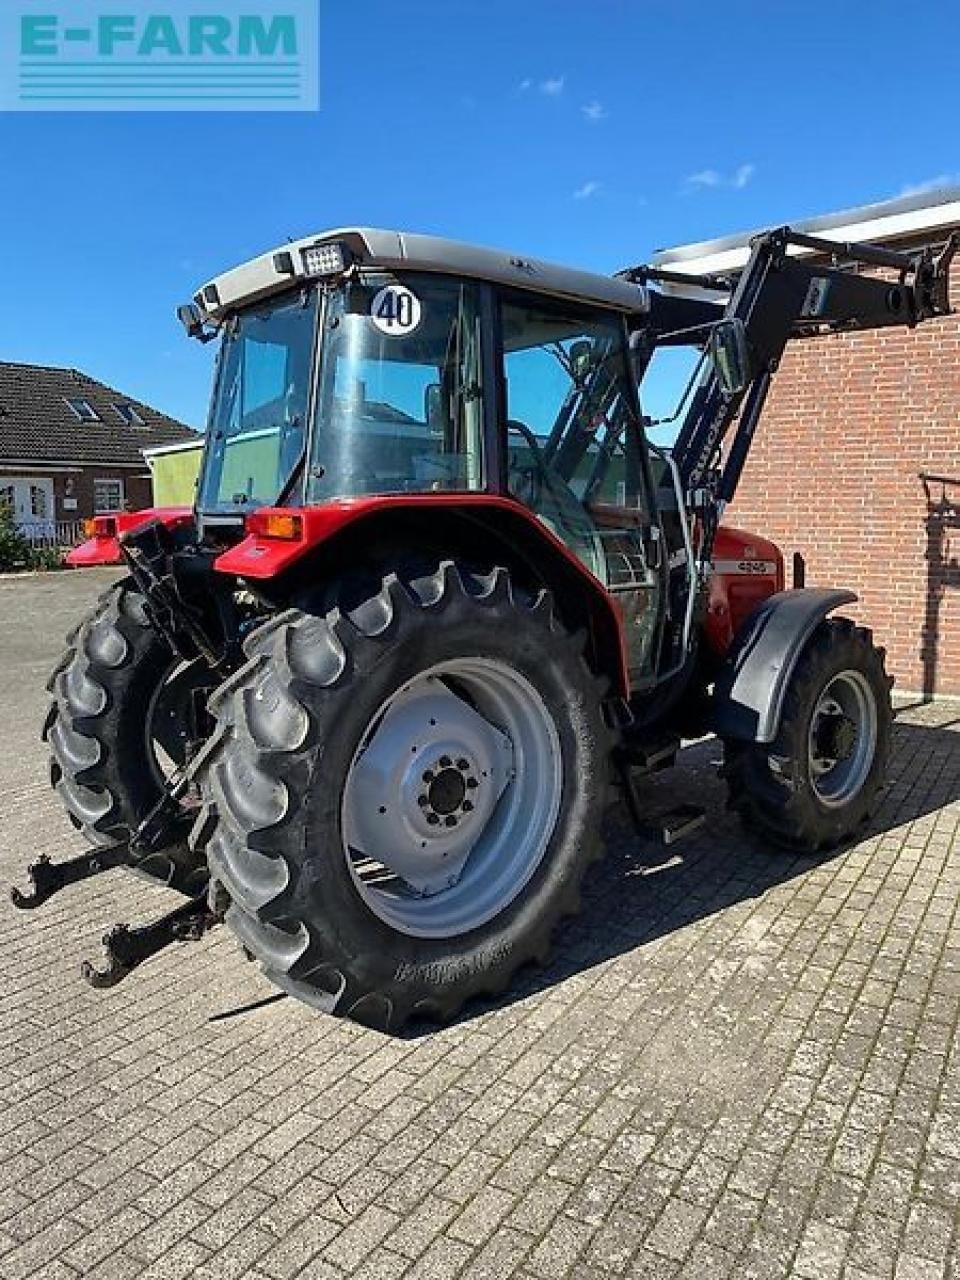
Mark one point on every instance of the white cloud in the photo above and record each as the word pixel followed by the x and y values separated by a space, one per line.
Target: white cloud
pixel 931 184
pixel 524 85
pixel 552 87
pixel 586 191
pixel 743 175
pixel 594 111
pixel 704 178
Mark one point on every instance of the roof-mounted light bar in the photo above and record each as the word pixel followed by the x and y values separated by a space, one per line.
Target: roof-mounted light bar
pixel 330 259
pixel 323 259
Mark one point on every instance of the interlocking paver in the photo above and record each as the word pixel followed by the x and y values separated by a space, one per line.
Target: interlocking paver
pixel 739 1064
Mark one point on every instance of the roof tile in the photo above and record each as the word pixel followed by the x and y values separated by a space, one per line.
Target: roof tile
pixel 38 426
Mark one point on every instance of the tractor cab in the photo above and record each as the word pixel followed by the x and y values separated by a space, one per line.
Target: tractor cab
pixel 367 364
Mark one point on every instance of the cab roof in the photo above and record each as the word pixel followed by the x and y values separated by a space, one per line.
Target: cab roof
pixel 279 269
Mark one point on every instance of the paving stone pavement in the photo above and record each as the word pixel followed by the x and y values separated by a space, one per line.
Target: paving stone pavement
pixel 739 1064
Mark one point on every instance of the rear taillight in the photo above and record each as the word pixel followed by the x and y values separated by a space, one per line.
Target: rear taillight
pixel 101 527
pixel 276 524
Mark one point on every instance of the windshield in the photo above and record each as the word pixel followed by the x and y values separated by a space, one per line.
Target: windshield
pixel 400 400
pixel 258 420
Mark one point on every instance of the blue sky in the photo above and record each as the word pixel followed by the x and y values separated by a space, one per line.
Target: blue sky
pixel 592 133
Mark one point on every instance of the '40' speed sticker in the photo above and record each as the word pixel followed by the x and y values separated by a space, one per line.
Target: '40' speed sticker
pixel 395 311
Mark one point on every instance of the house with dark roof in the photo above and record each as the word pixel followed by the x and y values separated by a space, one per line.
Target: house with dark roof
pixel 72 447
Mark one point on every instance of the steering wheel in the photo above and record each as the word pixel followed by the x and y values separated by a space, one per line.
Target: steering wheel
pixel 529 482
pixel 556 504
pixel 521 428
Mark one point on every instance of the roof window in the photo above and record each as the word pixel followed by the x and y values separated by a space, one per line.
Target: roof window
pixel 82 410
pixel 129 415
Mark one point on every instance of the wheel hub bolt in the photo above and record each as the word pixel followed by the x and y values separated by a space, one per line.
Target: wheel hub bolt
pixel 444 799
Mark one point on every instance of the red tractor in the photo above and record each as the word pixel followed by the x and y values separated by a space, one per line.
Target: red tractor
pixel 365 702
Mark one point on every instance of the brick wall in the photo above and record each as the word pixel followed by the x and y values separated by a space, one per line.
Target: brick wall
pixel 850 423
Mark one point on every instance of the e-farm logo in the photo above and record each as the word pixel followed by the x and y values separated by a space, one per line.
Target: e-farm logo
pixel 182 55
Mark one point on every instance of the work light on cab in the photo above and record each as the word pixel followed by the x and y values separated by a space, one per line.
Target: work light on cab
pixel 326 259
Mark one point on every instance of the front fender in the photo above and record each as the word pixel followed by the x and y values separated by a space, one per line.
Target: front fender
pixel 752 685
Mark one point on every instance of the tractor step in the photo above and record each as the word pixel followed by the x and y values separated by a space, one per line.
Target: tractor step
pixel 127 948
pixel 646 756
pixel 675 824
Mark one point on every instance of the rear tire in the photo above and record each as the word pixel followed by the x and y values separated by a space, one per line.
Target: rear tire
pixel 821 777
pixel 309 702
pixel 104 763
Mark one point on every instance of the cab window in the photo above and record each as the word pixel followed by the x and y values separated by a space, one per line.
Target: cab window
pixel 574 448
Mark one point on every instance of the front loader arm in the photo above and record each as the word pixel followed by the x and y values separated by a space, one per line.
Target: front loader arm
pixel 777 297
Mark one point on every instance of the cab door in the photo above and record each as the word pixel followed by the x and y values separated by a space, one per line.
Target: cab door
pixel 576 454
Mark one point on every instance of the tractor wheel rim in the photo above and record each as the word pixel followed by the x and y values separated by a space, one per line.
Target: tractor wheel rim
pixel 843 739
pixel 452 797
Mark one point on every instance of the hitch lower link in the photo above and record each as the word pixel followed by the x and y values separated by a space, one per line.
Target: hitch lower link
pixel 128 946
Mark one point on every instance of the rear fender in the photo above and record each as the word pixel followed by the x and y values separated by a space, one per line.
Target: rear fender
pixel 752 685
pixel 481 527
pixel 104 546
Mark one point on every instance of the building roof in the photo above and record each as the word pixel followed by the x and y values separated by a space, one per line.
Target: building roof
pixel 284 267
pixel 927 212
pixel 38 426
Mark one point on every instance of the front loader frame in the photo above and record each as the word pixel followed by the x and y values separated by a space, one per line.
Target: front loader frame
pixel 777 297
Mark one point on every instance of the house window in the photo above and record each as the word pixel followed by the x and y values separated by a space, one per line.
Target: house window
pixel 129 415
pixel 82 410
pixel 107 496
pixel 38 502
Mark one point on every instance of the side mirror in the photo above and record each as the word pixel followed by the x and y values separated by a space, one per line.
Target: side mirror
pixel 581 360
pixel 192 319
pixel 433 405
pixel 729 353
pixel 641 351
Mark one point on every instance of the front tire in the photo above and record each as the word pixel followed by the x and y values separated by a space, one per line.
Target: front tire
pixel 821 777
pixel 356 749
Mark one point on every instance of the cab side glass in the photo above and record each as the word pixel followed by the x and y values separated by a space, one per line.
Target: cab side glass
pixel 663 390
pixel 400 405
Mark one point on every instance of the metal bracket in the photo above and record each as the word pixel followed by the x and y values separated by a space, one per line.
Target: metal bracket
pixel 146 553
pixel 163 826
pixel 47 878
pixel 127 948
